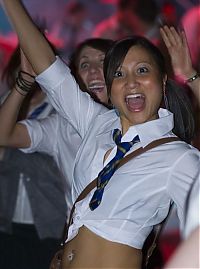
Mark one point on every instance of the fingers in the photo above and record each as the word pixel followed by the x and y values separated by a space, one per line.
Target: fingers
pixel 171 37
pixel 165 37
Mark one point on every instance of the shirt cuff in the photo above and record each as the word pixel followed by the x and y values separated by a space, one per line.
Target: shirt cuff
pixel 53 75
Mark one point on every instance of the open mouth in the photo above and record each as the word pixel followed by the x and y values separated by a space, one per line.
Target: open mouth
pixel 135 102
pixel 96 87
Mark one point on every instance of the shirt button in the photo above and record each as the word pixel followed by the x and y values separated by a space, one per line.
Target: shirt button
pixel 28 179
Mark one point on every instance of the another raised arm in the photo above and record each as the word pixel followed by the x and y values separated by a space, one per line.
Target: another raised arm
pixel 178 49
pixel 32 41
pixel 14 134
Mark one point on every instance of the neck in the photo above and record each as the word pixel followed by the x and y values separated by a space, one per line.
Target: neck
pixel 125 125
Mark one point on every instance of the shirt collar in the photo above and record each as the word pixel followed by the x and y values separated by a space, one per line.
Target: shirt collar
pixel 155 129
pixel 148 131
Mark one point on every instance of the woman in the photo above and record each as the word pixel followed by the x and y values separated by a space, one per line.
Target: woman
pixel 86 64
pixel 111 233
pixel 54 135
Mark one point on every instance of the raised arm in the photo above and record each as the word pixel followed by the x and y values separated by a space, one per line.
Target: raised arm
pixel 31 40
pixel 14 134
pixel 178 49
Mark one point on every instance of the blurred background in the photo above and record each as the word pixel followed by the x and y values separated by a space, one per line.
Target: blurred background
pixel 58 17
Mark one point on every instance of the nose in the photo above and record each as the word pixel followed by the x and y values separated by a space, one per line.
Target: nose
pixel 131 81
pixel 94 68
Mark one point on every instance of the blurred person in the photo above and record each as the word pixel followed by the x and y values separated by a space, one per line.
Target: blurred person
pixel 139 17
pixel 32 197
pixel 86 64
pixel 54 135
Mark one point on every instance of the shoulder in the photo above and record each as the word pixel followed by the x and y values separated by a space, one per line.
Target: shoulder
pixel 185 153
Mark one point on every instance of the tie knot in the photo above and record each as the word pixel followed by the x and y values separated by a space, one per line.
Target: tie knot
pixel 117 136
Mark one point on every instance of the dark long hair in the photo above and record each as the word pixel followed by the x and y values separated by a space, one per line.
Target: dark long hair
pixel 178 102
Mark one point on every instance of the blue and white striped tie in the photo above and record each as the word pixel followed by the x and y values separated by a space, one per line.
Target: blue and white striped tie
pixel 107 172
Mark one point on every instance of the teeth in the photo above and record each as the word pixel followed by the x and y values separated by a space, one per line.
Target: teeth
pixel 96 86
pixel 135 95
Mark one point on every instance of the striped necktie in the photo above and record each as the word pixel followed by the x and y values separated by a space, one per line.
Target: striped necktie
pixel 107 172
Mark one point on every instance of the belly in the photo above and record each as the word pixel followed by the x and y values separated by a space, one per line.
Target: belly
pixel 88 250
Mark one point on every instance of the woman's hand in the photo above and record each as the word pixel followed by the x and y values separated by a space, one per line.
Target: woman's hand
pixel 178 49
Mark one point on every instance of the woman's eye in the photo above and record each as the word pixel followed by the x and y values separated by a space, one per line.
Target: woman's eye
pixel 118 74
pixel 84 65
pixel 142 70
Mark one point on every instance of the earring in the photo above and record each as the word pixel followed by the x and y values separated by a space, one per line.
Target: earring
pixel 165 97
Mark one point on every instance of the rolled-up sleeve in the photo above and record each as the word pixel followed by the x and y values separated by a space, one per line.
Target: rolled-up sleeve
pixel 43 135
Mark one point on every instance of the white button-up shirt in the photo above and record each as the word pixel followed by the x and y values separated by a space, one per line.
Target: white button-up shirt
pixel 55 136
pixel 139 193
pixel 23 211
pixel 192 209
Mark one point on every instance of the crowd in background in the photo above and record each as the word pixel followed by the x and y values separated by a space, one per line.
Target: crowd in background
pixel 68 23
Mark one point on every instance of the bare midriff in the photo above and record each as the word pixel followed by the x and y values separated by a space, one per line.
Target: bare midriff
pixel 88 250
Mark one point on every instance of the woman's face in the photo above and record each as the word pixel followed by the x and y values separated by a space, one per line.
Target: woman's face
pixel 90 69
pixel 137 88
